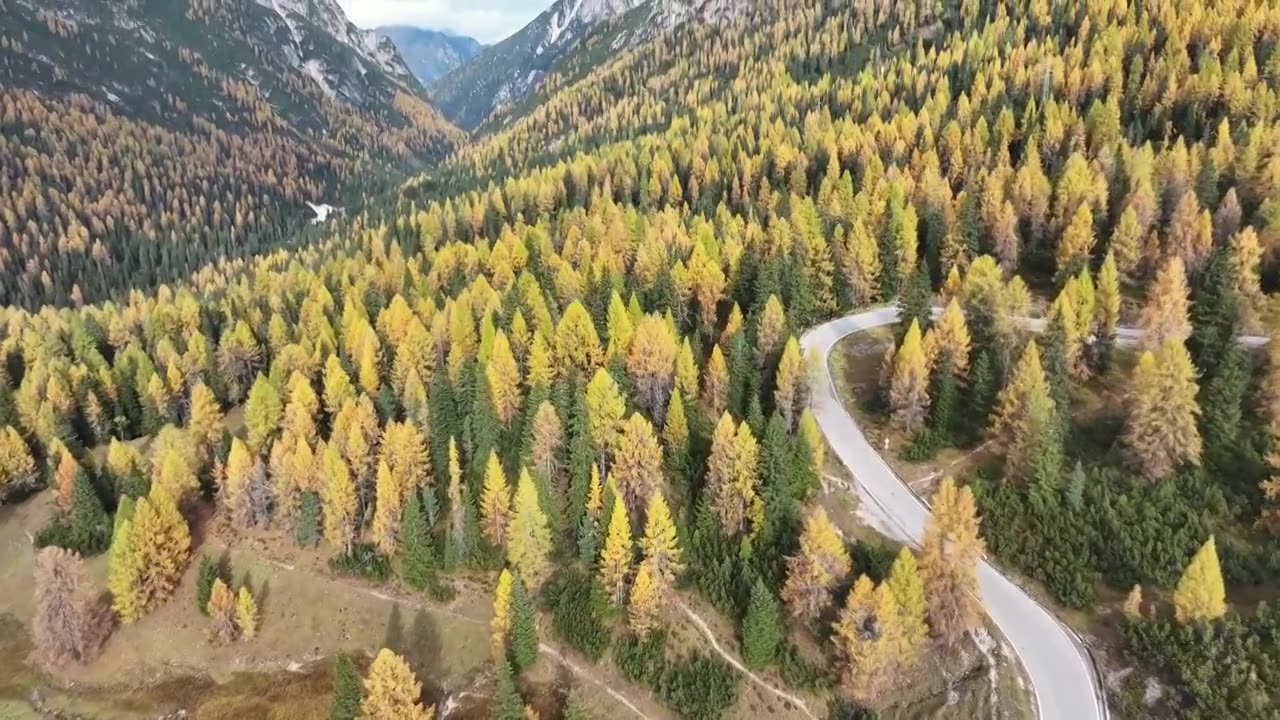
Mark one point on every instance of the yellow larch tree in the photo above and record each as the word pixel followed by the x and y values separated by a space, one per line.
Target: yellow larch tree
pixel 1200 594
pixel 637 462
pixel 1106 308
pixel 338 500
pixel 301 408
pixel 732 476
pixel 949 559
pixel 814 438
pixel 817 569
pixel 388 507
pixel 644 607
pixel 162 541
pixel 222 613
pixel 1077 240
pixel 948 341
pixel 715 383
pixel 659 545
pixel 675 432
pixel 1246 261
pixel 262 414
pixel 616 557
pixel 529 536
pixel 1162 431
pixel 338 389
pixel 866 638
pixel 1024 417
pixel 605 410
pixel 392 692
pixel 243 477
pixel 791 392
pixel 124 573
pixel 909 389
pixel 503 375
pixel 619 326
pixel 577 346
pixel 495 502
pixel 547 436
pixel 404 449
pixel 771 329
pixel 205 423
pixel 686 371
pixel 861 264
pixel 246 614
pixel 908 590
pixel 541 371
pixel 595 494
pixel 500 625
pixel 1166 314
pixel 651 363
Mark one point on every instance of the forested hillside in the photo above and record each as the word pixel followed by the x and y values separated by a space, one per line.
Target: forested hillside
pixel 144 140
pixel 567 357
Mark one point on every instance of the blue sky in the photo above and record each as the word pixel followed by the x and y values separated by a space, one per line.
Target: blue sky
pixel 485 20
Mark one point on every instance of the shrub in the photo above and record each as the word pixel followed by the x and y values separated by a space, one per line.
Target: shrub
pixel 699 687
pixel 576 616
pixel 364 561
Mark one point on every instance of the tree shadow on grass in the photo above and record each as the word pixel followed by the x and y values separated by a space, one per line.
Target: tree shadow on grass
pixel 420 646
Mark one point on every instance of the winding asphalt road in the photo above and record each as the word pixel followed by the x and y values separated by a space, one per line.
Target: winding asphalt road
pixel 1062 676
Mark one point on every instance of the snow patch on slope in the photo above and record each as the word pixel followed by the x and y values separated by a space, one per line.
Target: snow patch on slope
pixel 315 69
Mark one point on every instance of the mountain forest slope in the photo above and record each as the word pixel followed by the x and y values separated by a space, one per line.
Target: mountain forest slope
pixel 566 356
pixel 144 139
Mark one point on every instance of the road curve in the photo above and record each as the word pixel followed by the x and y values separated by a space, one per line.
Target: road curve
pixel 1063 678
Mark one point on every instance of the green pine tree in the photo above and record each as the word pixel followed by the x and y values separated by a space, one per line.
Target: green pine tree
pixel 582 455
pixel 347 690
pixel 306 529
pixel 743 374
pixel 1214 315
pixel 417 548
pixel 983 387
pixel 945 395
pixel 523 644
pixel 1053 354
pixel 761 627
pixel 576 708
pixel 1223 399
pixel 507 704
pixel 486 434
pixel 916 301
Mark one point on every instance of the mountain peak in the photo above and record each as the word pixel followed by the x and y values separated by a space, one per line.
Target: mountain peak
pixel 329 17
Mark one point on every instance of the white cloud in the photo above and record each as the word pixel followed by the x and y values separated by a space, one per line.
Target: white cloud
pixel 485 20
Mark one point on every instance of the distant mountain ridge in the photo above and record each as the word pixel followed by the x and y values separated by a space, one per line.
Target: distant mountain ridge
pixel 506 72
pixel 430 54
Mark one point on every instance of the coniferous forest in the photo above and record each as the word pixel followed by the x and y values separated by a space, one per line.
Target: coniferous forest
pixel 556 364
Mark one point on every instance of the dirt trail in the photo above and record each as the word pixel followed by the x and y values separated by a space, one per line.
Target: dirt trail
pixel 711 637
pixel 582 672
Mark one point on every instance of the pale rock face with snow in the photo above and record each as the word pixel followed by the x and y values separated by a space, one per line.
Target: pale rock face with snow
pixel 376 51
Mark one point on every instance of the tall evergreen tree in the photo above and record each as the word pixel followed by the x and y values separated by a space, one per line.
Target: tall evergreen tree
pixel 762 628
pixel 524 628
pixel 417 547
pixel 506 704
